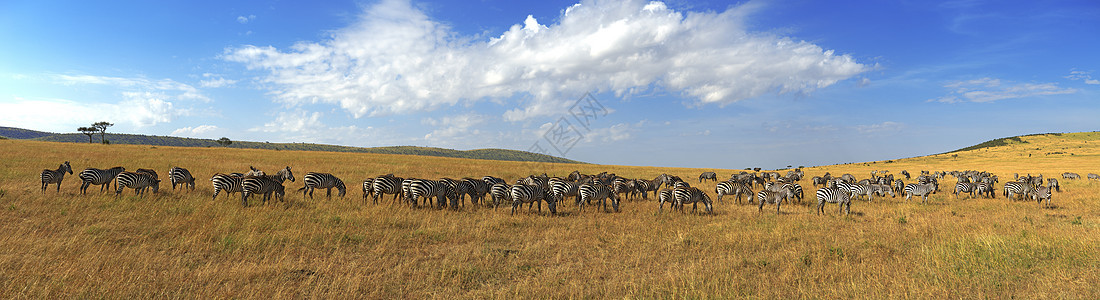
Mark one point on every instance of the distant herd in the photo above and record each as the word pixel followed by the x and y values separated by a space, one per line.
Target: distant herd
pixel 584 189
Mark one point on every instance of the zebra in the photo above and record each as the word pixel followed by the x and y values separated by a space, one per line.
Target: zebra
pixel 986 189
pixel 693 196
pixel 665 195
pixel 478 189
pixel 965 187
pixel 231 183
pixel 149 171
pixel 182 177
pixel 1053 184
pixel 1014 188
pixel 906 173
pixel 264 185
pixel 776 197
pixel 644 186
pixel 531 194
pixel 492 180
pixel 500 193
pixel 562 188
pixel 882 189
pixel 621 186
pixel 899 186
pixel 55 176
pixel 322 181
pixel 440 190
pixel 1093 176
pixel 368 188
pixel 1068 175
pixel 818 180
pixel 919 189
pixel 834 195
pixel 796 191
pixel 102 178
pixel 1039 194
pixel 460 188
pixel 708 175
pixel 597 192
pixel 253 171
pixel 137 181
pixel 387 184
pixel 733 188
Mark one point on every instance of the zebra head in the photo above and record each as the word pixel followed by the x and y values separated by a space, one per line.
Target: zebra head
pixel 65 167
pixel 156 185
pixel 285 174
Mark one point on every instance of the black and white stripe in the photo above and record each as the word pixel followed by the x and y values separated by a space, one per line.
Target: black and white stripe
pixel 560 189
pixel 965 187
pixel 55 176
pixel 665 195
pixel 181 177
pixel 500 193
pixel 733 188
pixel 1052 183
pixel 322 181
pixel 1039 194
pixel 598 192
pixel 834 195
pixel 387 184
pixel 919 189
pixel 260 185
pixel 477 189
pixel 368 188
pixel 708 176
pixel 102 178
pixel 230 183
pixel 137 181
pixel 1068 175
pixel 531 194
pixel 429 189
pixel 776 197
pixel 985 189
pixel 1016 188
pixel 694 196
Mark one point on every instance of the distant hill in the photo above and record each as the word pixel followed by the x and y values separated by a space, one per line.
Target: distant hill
pixel 22 134
pixel 137 139
pixel 1012 140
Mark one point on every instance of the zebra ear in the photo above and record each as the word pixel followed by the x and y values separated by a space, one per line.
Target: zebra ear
pixel 288 167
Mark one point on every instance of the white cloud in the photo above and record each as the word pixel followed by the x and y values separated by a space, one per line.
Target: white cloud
pixel 879 128
pixel 992 89
pixel 297 122
pixel 245 19
pixel 454 126
pixel 173 89
pixel 215 81
pixel 1083 76
pixel 60 115
pixel 396 59
pixel 197 131
pixel 615 133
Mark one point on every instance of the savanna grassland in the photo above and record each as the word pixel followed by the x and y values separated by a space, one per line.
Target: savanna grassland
pixel 184 245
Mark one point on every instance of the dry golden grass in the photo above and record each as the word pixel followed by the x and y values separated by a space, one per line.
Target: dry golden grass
pixel 183 245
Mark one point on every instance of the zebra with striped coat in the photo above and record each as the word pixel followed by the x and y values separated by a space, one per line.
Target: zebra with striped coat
pixel 531 194
pixel 1039 194
pixel 230 183
pixel 733 188
pixel 965 187
pixel 881 190
pixel 500 193
pixel 708 176
pixel 55 176
pixel 560 189
pixel 597 192
pixel 776 197
pixel 665 195
pixel 919 189
pixel 102 178
pixel 1052 183
pixel 985 189
pixel 137 181
pixel 1016 188
pixel 181 177
pixel 322 181
pixel 693 196
pixel 429 189
pixel 368 188
pixel 387 184
pixel 1068 175
pixel 478 189
pixel 260 185
pixel 834 195
pixel 1093 176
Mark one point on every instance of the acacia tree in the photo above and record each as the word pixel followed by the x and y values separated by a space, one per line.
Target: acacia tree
pixel 102 128
pixel 88 131
pixel 224 141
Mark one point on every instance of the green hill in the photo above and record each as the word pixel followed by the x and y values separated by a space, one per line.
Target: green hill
pixel 136 139
pixel 22 134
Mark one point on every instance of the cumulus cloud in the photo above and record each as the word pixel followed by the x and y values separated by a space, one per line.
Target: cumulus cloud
pixel 197 131
pixel 991 89
pixel 396 59
pixel 1082 76
pixel 453 126
pixel 245 19
pixel 168 87
pixel 615 133
pixel 215 81
pixel 62 115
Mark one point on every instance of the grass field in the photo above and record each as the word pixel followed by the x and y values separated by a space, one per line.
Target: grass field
pixel 184 245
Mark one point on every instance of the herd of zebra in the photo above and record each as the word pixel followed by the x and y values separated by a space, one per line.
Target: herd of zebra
pixel 584 189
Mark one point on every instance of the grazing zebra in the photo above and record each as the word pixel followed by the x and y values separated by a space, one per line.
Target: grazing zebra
pixel 55 176
pixel 492 180
pixel 560 189
pixel 253 171
pixel 622 186
pixel 322 181
pixel 260 185
pixel 883 189
pixel 818 180
pixel 102 178
pixel 1093 176
pixel 1016 188
pixel 597 192
pixel 693 196
pixel 1039 194
pixel 387 184
pixel 906 173
pixel 796 191
pixel 965 187
pixel 848 178
pixel 151 172
pixel 136 181
pixel 1053 184
pixel 232 183
pixel 181 177
pixel 1068 175
pixel 776 197
pixel 708 175
pixel 368 188
pixel 733 188
pixel 666 196
pixel 440 190
pixel 680 185
pixel 501 193
pixel 644 186
pixel 531 194
pixel 899 186
pixel 986 189
pixel 478 189
pixel 919 189
pixel 834 195
pixel 460 188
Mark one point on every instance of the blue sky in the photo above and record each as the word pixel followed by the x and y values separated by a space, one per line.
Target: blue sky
pixel 685 83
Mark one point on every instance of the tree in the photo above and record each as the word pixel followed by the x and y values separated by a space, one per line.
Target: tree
pixel 224 141
pixel 88 131
pixel 102 128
